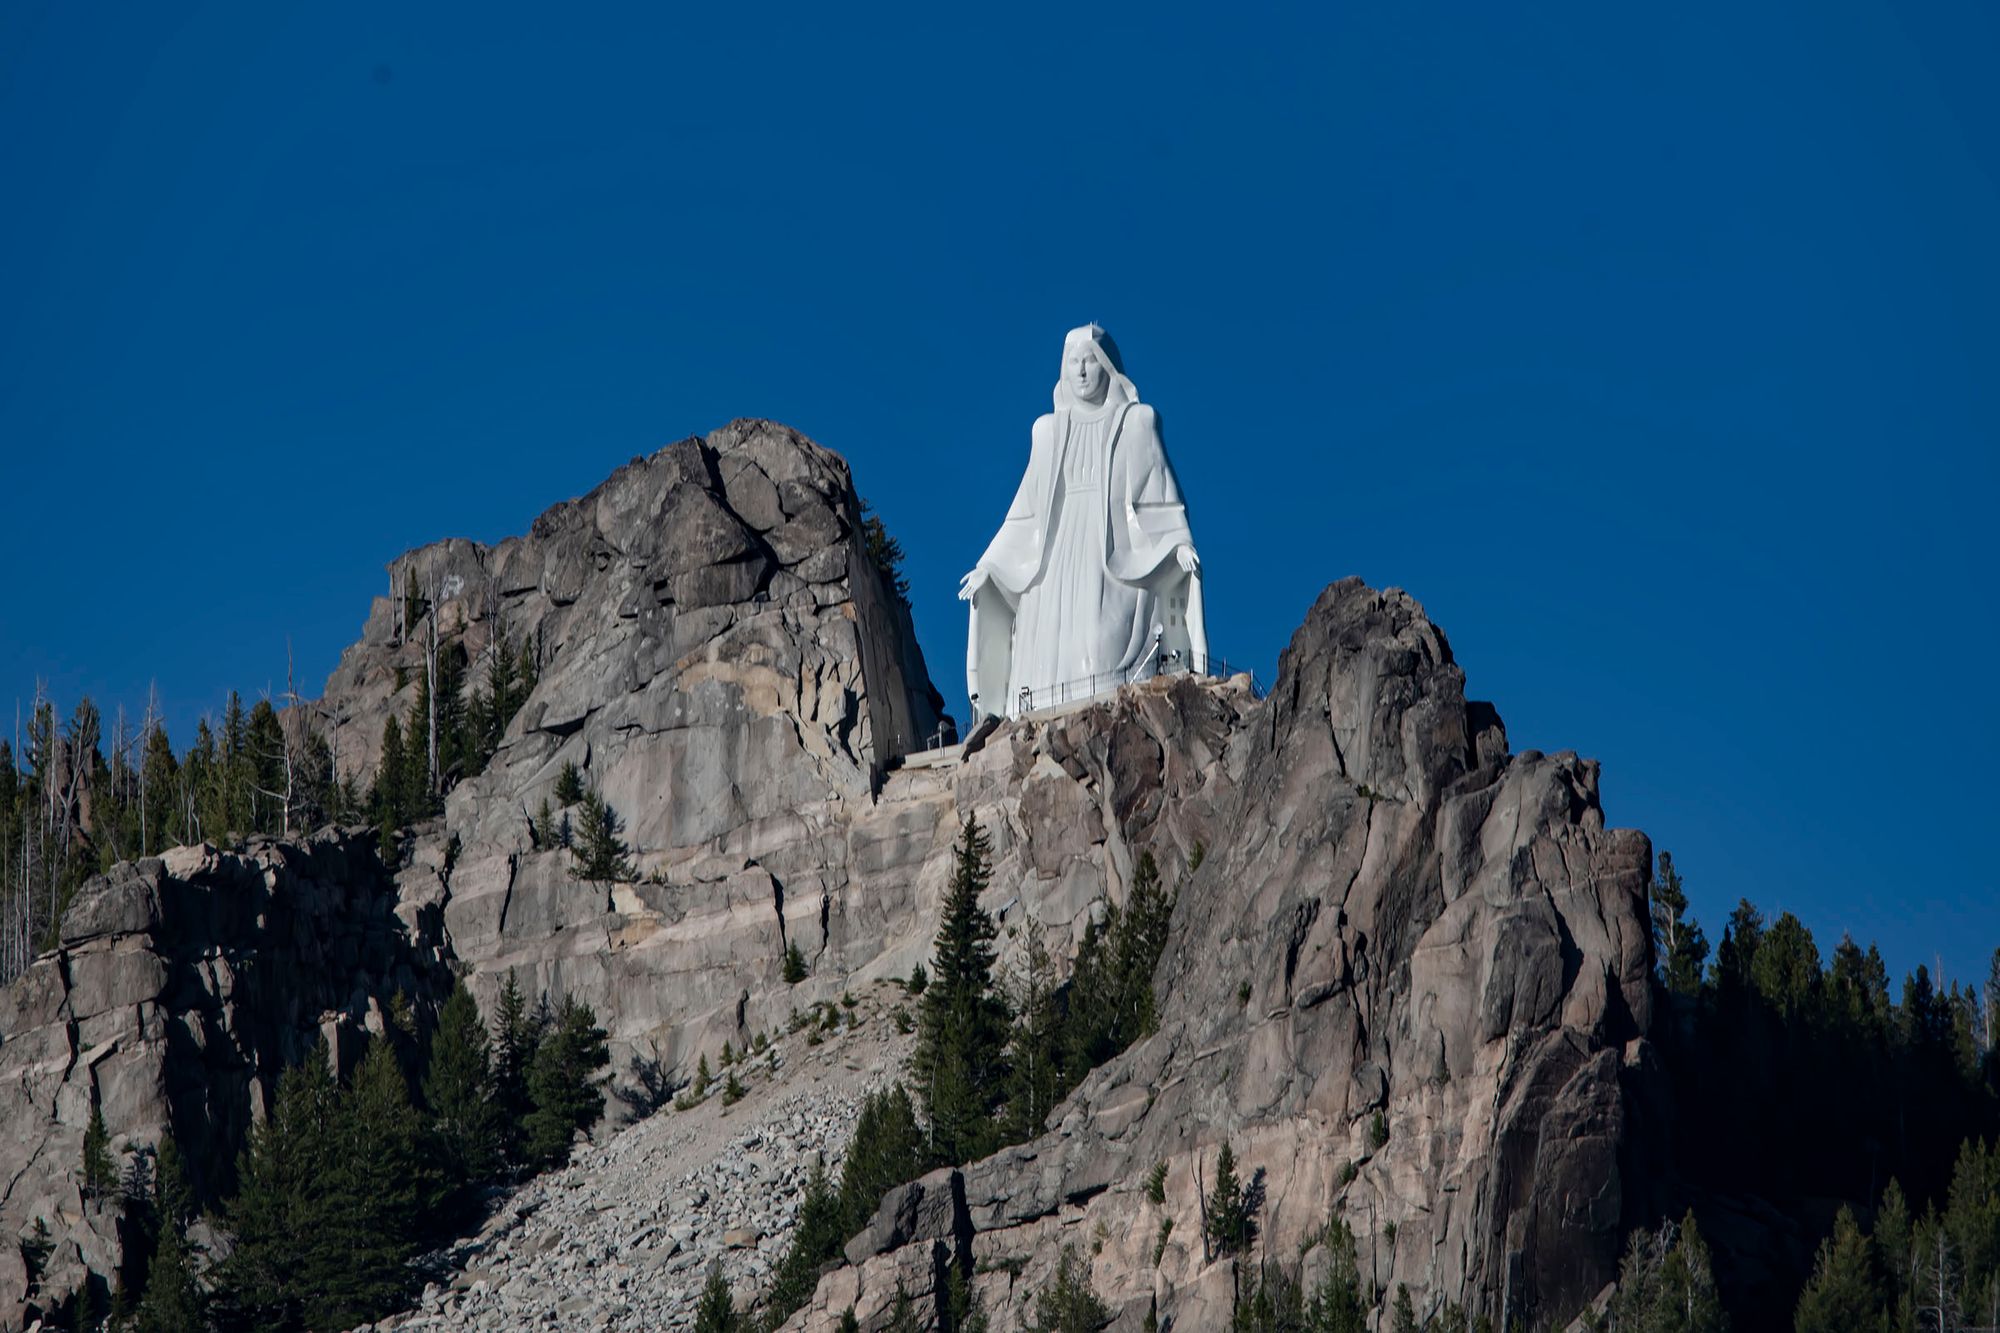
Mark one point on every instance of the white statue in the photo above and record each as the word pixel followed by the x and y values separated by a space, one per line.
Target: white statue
pixel 1092 580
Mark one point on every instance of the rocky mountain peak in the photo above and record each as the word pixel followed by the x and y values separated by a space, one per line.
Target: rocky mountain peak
pixel 1405 984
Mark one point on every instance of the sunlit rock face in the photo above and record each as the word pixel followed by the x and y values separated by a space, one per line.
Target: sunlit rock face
pixel 1396 918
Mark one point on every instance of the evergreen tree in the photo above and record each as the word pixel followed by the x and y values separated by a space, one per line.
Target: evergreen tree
pixel 795 964
pixel 160 780
pixel 266 767
pixel 960 1058
pixel 174 1197
pixel 887 1150
pixel 561 1085
pixel 1068 1304
pixel 1971 1218
pixel 1229 1222
pixel 1678 944
pixel 1665 1283
pixel 1730 974
pixel 602 856
pixel 1785 969
pixel 458 1089
pixel 237 772
pixel 100 1173
pixel 516 1037
pixel 884 552
pixel 1034 1063
pixel 285 1221
pixel 1893 1245
pixel 1841 1297
pixel 1403 1316
pixel 171 1302
pixel 1336 1306
pixel 1111 1001
pixel 715 1313
pixel 419 780
pixel 376 1191
pixel 545 827
pixel 569 784
pixel 816 1238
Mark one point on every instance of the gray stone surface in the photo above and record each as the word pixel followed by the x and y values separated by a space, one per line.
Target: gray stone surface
pixel 182 987
pixel 1425 926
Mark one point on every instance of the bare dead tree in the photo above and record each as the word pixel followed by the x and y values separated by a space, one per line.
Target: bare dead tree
pixel 152 720
pixel 431 676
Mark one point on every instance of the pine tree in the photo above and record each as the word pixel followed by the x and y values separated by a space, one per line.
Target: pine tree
pixel 1403 1317
pixel 1229 1223
pixel 237 774
pixel 266 760
pixel 602 856
pixel 561 1083
pixel 715 1313
pixel 545 827
pixel 1841 1297
pixel 886 1150
pixel 1785 969
pixel 516 1037
pixel 160 781
pixel 795 964
pixel 960 1059
pixel 174 1206
pixel 1678 944
pixel 884 552
pixel 458 1089
pixel 419 780
pixel 171 1302
pixel 569 784
pixel 1067 1304
pixel 1893 1245
pixel 1035 1081
pixel 376 1190
pixel 1666 1283
pixel 283 1217
pixel 100 1173
pixel 816 1238
pixel 1335 1305
pixel 1731 972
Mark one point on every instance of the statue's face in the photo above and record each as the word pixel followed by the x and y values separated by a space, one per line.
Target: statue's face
pixel 1084 373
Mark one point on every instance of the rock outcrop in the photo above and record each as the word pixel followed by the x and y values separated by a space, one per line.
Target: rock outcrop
pixel 1395 919
pixel 182 986
pixel 1401 928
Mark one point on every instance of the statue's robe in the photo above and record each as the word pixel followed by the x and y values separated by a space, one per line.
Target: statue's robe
pixel 1083 592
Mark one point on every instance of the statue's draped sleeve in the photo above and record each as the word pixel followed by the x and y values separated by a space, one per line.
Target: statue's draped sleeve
pixel 1014 557
pixel 1012 561
pixel 1148 518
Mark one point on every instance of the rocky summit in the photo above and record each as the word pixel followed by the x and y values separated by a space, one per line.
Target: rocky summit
pixel 1406 980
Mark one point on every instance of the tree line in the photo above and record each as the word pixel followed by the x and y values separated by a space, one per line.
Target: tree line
pixel 342 1185
pixel 76 798
pixel 1801 1078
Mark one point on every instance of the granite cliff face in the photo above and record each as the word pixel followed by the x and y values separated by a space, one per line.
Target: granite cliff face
pixel 1394 915
pixel 182 987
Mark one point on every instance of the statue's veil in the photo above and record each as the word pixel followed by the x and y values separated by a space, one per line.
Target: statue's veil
pixel 1106 351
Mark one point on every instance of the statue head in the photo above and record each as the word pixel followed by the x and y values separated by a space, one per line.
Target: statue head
pixel 1092 371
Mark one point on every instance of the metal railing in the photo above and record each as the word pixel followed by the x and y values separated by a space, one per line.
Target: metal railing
pixel 1029 700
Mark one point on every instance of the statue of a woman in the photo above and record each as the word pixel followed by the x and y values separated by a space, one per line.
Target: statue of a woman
pixel 1092 580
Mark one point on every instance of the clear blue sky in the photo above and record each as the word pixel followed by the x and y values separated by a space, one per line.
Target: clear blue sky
pixel 1654 350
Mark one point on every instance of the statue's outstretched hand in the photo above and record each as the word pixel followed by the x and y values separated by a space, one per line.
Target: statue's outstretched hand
pixel 969 586
pixel 1187 558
